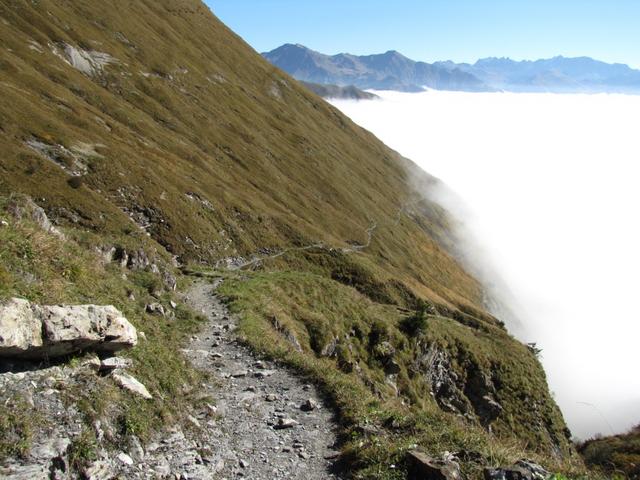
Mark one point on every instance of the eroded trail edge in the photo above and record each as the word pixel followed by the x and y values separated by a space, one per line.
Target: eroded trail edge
pixel 268 423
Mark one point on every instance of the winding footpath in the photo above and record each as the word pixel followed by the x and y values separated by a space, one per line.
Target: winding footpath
pixel 268 424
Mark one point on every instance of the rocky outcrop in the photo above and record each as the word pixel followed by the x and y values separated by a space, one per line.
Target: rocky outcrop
pixel 32 331
pixel 22 207
pixel 470 393
pixel 438 372
pixel 139 260
pixel 521 470
pixel 89 62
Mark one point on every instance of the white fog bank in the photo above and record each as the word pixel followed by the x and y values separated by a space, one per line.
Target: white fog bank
pixel 553 185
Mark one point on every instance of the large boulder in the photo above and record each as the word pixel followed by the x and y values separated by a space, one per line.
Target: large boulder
pixel 36 332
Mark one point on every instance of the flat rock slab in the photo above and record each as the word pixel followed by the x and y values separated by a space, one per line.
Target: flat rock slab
pixel 36 332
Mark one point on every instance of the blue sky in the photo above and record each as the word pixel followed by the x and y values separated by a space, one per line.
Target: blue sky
pixel 429 30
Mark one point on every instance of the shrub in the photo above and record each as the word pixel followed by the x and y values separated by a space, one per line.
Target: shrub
pixel 417 322
pixel 75 182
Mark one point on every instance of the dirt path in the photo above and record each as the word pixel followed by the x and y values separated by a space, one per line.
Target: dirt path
pixel 240 263
pixel 269 424
pixel 361 246
pixel 256 260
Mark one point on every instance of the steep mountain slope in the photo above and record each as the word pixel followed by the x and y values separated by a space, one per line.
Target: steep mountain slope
pixel 175 132
pixel 558 74
pixel 387 71
pixel 151 127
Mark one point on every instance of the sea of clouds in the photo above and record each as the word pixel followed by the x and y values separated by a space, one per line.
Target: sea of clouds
pixel 551 191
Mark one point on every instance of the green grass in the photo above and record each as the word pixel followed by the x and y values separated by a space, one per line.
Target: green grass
pixel 277 306
pixel 17 424
pixel 83 450
pixel 616 455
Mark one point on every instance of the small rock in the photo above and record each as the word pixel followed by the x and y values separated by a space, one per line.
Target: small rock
pixel 100 470
pixel 423 467
pixel 304 455
pixel 239 373
pixel 284 423
pixel 92 362
pixel 4 223
pixel 309 405
pixel 155 309
pixel 128 382
pixel 163 469
pixel 173 304
pixel 194 421
pixel 243 463
pixel 125 459
pixel 135 448
pixel 264 373
pixel 170 282
pixel 113 363
pixel 271 397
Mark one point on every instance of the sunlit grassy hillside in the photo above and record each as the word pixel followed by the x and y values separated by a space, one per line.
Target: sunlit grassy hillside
pixel 149 124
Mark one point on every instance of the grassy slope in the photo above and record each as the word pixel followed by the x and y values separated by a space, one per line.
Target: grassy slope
pixel 382 420
pixel 227 156
pixel 617 455
pixel 49 270
pixel 212 118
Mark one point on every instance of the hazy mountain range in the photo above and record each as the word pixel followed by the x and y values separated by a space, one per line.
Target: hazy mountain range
pixel 393 71
pixel 387 71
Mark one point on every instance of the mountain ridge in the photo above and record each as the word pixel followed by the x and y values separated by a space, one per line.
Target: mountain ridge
pixel 393 71
pixel 387 71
